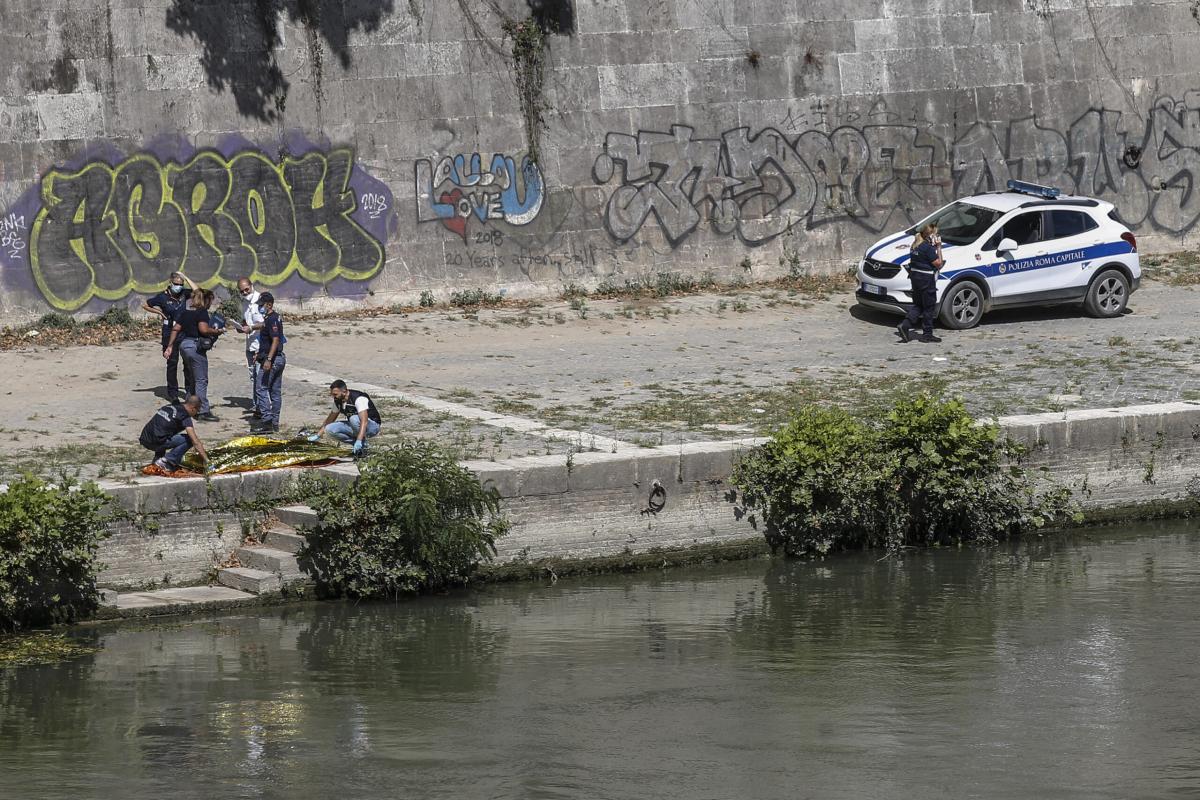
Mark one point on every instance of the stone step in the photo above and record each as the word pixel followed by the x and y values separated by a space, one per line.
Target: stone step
pixel 269 559
pixel 168 598
pixel 255 581
pixel 296 516
pixel 283 537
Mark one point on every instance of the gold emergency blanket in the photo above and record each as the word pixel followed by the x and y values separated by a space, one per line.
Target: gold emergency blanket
pixel 249 453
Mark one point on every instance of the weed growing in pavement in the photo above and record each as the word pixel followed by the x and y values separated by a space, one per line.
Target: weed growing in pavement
pixel 114 325
pixel 661 284
pixel 473 298
pixel 1173 269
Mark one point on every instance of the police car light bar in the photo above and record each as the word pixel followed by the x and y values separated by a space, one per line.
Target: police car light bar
pixel 1049 192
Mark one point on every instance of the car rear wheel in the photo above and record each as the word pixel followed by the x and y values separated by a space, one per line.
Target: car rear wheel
pixel 1108 295
pixel 962 306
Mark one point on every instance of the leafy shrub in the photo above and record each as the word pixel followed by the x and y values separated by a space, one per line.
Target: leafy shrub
pixel 469 298
pixel 231 309
pixel 413 520
pixel 427 300
pixel 49 536
pixel 116 316
pixel 55 321
pixel 927 474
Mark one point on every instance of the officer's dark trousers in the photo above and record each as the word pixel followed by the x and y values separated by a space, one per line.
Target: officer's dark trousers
pixel 924 295
pixel 197 371
pixel 189 381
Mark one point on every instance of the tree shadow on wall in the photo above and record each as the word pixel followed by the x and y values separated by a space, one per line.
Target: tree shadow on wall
pixel 240 38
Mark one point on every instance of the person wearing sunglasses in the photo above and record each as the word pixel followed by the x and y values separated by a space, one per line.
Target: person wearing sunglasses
pixel 252 323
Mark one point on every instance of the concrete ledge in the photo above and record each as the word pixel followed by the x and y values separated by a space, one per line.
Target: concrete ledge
pixel 600 505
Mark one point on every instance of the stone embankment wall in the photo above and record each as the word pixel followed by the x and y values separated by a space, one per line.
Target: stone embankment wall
pixel 612 505
pixel 366 152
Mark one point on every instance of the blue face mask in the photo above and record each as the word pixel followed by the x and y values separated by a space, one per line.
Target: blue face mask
pixel 176 288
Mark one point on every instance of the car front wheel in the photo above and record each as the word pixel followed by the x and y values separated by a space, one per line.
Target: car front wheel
pixel 1108 295
pixel 962 306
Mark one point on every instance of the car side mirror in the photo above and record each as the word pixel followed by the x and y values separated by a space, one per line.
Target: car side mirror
pixel 1006 246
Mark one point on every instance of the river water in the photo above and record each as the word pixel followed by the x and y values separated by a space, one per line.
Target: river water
pixel 1060 669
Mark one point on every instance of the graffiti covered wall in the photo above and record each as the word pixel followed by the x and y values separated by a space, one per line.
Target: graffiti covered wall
pixel 108 226
pixel 375 151
pixel 858 174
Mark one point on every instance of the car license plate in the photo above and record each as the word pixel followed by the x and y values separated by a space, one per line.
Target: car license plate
pixel 873 289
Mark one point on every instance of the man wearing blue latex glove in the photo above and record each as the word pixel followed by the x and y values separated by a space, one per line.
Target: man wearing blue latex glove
pixel 316 437
pixel 362 418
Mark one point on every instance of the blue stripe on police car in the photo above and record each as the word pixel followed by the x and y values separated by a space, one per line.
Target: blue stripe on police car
pixel 1005 267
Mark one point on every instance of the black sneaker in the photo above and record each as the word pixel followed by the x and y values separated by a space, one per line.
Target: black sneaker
pixel 902 330
pixel 260 427
pixel 929 338
pixel 208 416
pixel 275 426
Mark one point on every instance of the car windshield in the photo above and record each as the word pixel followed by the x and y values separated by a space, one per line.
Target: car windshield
pixel 961 223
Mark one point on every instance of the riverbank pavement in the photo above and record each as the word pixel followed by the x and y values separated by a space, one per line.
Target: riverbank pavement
pixel 609 375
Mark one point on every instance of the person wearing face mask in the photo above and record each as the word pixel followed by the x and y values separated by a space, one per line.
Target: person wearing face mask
pixel 167 305
pixel 195 330
pixel 252 323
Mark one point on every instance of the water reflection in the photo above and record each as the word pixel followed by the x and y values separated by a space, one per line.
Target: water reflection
pixel 1061 668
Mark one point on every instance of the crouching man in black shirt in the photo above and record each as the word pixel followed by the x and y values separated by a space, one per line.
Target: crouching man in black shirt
pixel 170 434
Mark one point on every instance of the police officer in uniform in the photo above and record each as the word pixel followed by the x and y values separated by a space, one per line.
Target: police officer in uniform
pixel 271 363
pixel 193 335
pixel 170 433
pixel 168 305
pixel 362 418
pixel 922 271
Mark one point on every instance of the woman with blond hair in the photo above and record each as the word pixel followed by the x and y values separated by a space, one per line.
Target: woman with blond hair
pixel 922 271
pixel 196 331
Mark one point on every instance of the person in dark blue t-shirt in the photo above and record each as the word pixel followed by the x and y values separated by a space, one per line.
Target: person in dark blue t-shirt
pixel 271 362
pixel 167 305
pixel 192 335
pixel 922 271
pixel 170 434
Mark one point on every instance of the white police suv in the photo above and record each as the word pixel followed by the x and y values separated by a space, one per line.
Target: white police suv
pixel 1026 246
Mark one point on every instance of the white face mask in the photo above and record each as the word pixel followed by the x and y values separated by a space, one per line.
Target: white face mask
pixel 176 288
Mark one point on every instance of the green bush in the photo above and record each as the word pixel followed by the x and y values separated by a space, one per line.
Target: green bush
pixel 49 536
pixel 231 309
pixel 56 321
pixel 117 316
pixel 926 474
pixel 469 298
pixel 413 520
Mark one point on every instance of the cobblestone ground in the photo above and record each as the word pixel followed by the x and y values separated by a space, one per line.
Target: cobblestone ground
pixel 648 372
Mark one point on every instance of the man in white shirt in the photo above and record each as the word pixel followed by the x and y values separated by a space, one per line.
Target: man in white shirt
pixel 252 322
